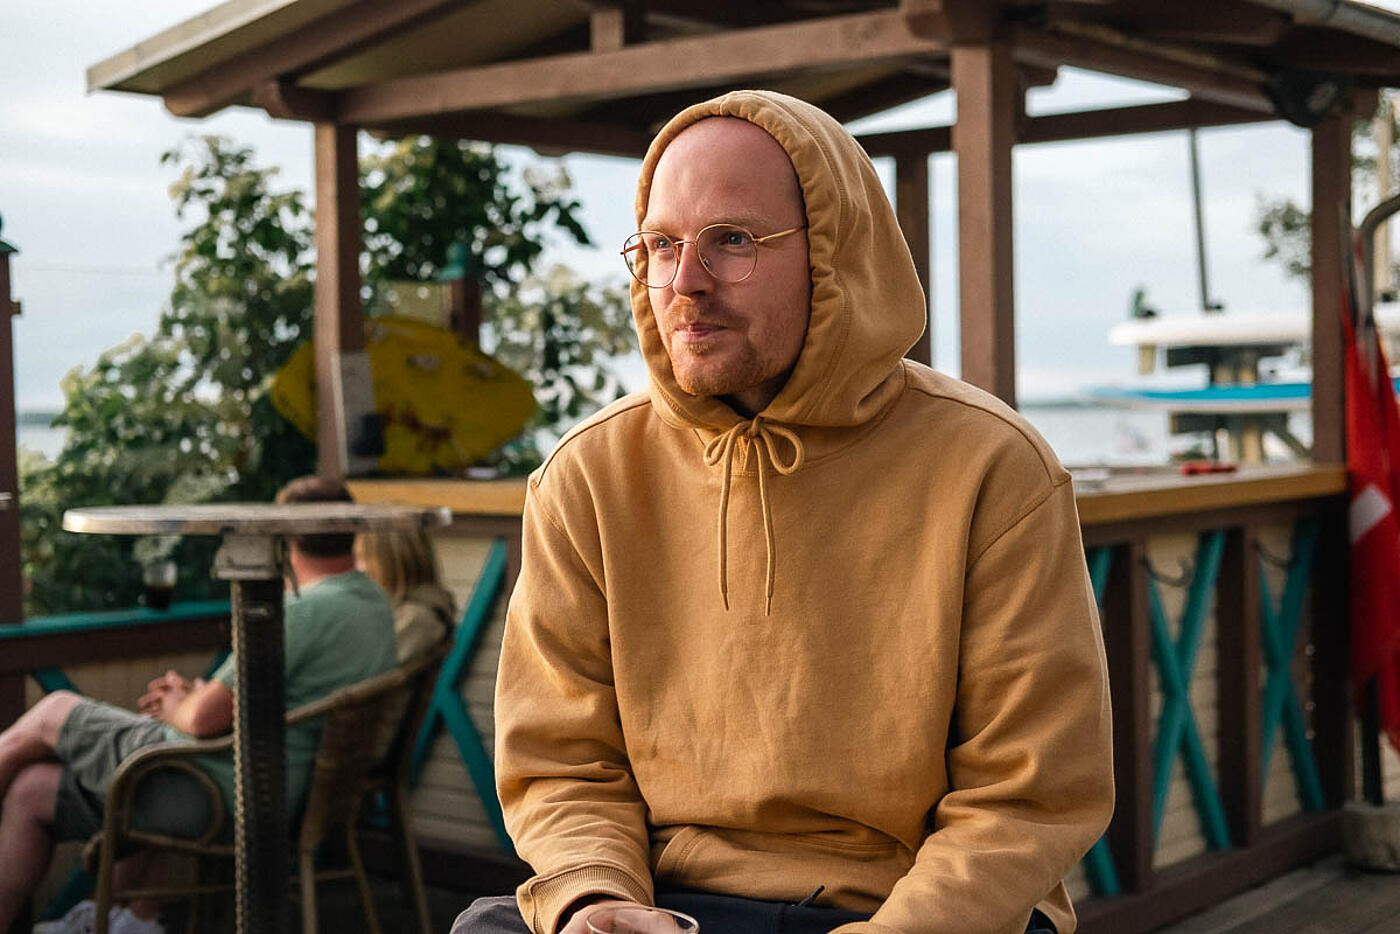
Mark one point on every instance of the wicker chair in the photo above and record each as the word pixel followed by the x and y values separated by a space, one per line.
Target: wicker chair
pixel 388 708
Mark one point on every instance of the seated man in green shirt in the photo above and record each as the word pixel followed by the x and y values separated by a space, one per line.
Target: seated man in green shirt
pixel 58 759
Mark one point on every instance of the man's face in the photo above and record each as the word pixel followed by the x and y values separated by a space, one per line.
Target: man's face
pixel 739 340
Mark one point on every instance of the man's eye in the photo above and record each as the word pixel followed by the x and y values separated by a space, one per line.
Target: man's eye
pixel 735 238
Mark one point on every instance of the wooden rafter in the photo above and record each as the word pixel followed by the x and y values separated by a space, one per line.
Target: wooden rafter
pixel 323 40
pixel 652 67
pixel 544 135
pixel 882 95
pixel 1089 124
pixel 616 24
pixel 1335 51
pixel 285 101
pixel 1145 118
pixel 1233 23
pixel 1238 86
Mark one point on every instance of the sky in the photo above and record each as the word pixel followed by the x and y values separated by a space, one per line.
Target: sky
pixel 84 197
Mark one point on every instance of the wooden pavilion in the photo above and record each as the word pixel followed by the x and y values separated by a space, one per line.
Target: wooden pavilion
pixel 1214 670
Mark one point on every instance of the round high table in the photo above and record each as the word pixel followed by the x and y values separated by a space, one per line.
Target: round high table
pixel 252 559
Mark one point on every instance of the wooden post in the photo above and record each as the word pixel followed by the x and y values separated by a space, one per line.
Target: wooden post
pixel 1331 251
pixel 911 204
pixel 1239 654
pixel 466 308
pixel 984 77
pixel 1128 641
pixel 616 23
pixel 339 329
pixel 1334 726
pixel 11 576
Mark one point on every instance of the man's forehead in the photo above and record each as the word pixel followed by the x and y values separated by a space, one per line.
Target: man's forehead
pixel 720 132
pixel 728 152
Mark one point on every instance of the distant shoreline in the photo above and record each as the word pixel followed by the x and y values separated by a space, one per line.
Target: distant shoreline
pixel 36 419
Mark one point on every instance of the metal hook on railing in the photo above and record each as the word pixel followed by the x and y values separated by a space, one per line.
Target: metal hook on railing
pixel 1276 560
pixel 1188 571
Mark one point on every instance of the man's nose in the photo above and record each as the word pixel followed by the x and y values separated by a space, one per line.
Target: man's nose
pixel 691 274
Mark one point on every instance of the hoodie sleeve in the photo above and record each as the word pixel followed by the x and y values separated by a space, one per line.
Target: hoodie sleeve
pixel 570 801
pixel 1030 761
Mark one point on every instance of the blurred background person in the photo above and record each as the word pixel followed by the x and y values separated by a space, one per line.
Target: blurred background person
pixel 405 564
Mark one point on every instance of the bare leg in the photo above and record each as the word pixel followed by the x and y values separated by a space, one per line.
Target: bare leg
pixel 25 841
pixel 34 736
pixel 131 872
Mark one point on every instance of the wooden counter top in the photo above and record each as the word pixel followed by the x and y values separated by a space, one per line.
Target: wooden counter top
pixel 1164 492
pixel 1120 497
pixel 463 497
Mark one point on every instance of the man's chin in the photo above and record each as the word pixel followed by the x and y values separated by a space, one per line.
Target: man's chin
pixel 708 384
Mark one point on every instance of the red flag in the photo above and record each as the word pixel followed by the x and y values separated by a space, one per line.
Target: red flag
pixel 1373 457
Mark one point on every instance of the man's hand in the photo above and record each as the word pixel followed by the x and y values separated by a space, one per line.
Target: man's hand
pixel 164 695
pixel 577 923
pixel 612 916
pixel 200 708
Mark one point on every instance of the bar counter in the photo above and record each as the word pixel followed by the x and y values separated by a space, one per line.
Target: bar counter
pixel 1125 494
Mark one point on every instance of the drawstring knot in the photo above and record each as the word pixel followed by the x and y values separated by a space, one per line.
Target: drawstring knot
pixel 761 436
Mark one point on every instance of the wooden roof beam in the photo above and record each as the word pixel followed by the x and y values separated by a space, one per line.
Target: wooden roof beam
pixel 546 136
pixel 1089 124
pixel 673 64
pixel 1205 76
pixel 314 44
pixel 1233 23
pixel 285 101
pixel 1144 118
pixel 615 24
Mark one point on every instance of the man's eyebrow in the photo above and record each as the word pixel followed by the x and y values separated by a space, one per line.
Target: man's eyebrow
pixel 753 222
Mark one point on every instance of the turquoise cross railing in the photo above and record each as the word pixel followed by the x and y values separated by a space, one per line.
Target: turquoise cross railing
pixel 447 710
pixel 1099 864
pixel 1177 733
pixel 1281 703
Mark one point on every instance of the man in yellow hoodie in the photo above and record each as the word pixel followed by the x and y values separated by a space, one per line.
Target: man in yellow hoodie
pixel 803 638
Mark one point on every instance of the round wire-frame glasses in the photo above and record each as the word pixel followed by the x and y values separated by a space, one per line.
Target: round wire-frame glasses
pixel 727 251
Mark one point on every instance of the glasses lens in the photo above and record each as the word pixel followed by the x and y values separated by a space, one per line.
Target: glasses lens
pixel 651 257
pixel 728 252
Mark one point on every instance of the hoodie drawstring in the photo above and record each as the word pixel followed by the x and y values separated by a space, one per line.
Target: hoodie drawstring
pixel 720 450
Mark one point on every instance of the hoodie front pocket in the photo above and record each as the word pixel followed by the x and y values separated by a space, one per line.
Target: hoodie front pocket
pixel 673 854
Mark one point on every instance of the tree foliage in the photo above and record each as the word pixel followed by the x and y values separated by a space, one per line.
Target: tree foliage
pixel 562 333
pixel 421 196
pixel 183 415
pixel 1284 224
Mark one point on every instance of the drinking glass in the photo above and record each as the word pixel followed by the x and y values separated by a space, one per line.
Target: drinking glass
pixel 158 579
pixel 639 920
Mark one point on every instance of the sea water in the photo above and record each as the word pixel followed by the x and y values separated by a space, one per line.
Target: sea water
pixel 1079 434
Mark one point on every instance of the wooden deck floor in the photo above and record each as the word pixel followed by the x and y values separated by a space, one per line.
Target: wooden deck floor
pixel 1327 898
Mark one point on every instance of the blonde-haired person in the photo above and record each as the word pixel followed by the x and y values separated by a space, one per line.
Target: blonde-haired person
pixel 404 563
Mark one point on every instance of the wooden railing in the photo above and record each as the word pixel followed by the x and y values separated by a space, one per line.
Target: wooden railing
pixel 1223 603
pixel 45 646
pixel 1224 613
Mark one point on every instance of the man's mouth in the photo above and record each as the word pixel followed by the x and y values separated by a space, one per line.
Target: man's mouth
pixel 696 330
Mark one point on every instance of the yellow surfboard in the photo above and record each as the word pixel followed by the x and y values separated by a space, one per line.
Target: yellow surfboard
pixel 443 403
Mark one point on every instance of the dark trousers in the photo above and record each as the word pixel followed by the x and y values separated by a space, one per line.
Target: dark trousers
pixel 717 914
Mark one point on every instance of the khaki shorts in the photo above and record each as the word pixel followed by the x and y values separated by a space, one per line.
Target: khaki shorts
pixel 93 742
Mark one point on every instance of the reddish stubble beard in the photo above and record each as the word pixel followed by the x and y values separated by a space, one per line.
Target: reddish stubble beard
pixel 721 364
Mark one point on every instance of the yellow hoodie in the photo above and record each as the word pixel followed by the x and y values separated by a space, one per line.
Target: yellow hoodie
pixel 916 718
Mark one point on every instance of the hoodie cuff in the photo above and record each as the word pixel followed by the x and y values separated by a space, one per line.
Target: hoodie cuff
pixel 543 899
pixel 864 927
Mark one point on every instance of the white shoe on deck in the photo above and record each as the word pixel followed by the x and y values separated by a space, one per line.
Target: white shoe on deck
pixel 122 921
pixel 82 919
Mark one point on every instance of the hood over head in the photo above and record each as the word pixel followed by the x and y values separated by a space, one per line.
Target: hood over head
pixel 867 307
